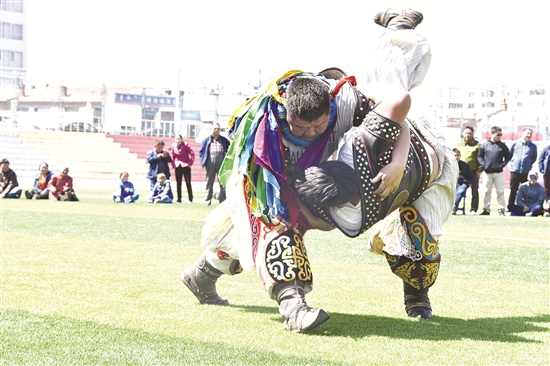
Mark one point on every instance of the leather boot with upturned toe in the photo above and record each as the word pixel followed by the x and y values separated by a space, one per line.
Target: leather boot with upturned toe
pixel 298 316
pixel 201 279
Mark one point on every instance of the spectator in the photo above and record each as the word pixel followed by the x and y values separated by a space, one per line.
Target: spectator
pixel 469 148
pixel 544 169
pixel 158 160
pixel 465 176
pixel 125 192
pixel 493 156
pixel 183 157
pixel 213 150
pixel 40 188
pixel 530 198
pixel 61 187
pixel 162 192
pixel 523 154
pixel 8 181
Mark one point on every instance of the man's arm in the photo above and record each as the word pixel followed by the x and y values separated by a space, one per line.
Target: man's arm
pixel 152 156
pixel 542 157
pixel 394 105
pixel 506 154
pixel 315 222
pixel 391 174
pixel 481 158
pixel 533 154
pixel 519 198
pixel 12 183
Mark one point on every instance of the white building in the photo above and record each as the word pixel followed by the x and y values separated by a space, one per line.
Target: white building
pixel 511 107
pixel 13 47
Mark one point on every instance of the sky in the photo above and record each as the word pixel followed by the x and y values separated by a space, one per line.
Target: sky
pixel 168 43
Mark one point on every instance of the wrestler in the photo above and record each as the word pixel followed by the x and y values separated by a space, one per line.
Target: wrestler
pixel 411 218
pixel 293 124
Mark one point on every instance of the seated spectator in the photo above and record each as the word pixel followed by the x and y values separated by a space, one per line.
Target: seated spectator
pixel 61 187
pixel 8 181
pixel 465 176
pixel 162 192
pixel 530 198
pixel 40 188
pixel 125 192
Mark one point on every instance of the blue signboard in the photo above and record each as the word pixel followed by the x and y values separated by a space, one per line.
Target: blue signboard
pixel 190 115
pixel 150 101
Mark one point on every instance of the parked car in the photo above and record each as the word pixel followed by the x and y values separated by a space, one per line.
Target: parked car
pixel 7 121
pixel 80 127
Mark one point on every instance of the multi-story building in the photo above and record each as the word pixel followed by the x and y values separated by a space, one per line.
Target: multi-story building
pixel 512 107
pixel 126 110
pixel 13 48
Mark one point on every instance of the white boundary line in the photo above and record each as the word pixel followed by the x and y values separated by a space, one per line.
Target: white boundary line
pixel 499 237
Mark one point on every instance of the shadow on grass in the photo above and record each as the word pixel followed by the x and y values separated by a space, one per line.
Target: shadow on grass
pixel 504 329
pixel 35 339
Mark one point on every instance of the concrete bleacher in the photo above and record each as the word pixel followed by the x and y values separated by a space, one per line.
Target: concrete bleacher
pixel 139 145
pixel 24 160
pixel 88 156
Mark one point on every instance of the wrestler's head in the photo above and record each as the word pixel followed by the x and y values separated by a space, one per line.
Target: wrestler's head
pixel 307 108
pixel 329 184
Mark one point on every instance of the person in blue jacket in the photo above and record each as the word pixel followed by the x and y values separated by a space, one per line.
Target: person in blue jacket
pixel 125 192
pixel 530 198
pixel 162 192
pixel 40 187
pixel 212 152
pixel 158 160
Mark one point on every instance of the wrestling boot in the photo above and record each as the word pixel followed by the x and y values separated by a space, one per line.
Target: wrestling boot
pixel 299 317
pixel 201 279
pixel 408 19
pixel 417 303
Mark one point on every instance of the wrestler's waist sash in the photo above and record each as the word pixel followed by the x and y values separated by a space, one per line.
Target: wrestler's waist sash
pixel 373 145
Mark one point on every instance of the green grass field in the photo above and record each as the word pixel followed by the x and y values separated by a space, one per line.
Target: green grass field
pixel 97 283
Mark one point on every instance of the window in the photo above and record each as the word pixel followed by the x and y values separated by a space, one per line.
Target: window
pixel 11 58
pixel 536 92
pixel 455 94
pixel 17 32
pixel 455 105
pixel 11 31
pixel 471 106
pixel 12 5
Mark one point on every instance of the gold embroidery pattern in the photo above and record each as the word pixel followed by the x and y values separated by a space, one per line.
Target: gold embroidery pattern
pixel 420 234
pixel 286 259
pixel 432 269
pixel 404 272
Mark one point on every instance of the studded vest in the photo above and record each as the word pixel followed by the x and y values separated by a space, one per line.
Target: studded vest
pixel 372 146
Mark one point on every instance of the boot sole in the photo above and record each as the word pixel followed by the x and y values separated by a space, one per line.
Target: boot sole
pixel 321 318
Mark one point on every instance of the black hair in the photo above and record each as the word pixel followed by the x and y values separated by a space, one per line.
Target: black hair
pixel 331 183
pixel 468 128
pixel 495 129
pixel 307 99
